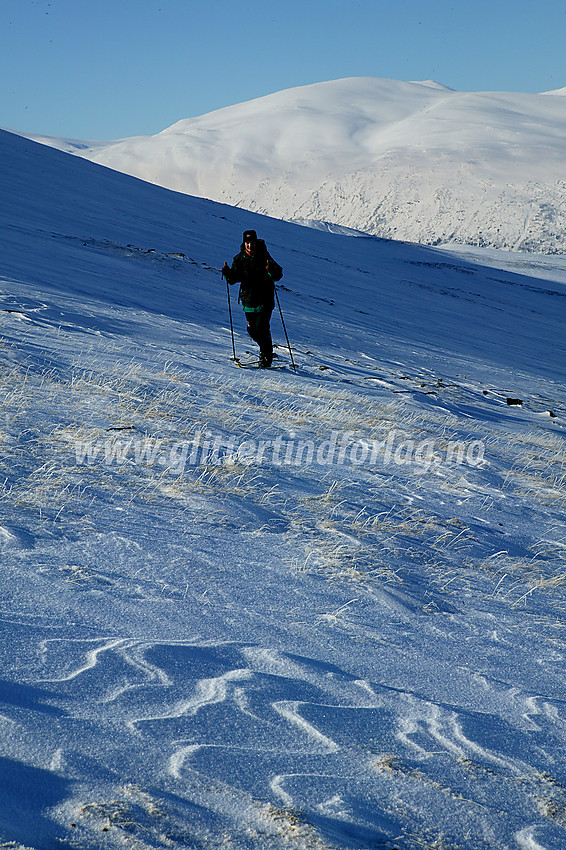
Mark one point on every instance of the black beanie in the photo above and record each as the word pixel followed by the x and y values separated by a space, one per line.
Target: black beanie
pixel 250 236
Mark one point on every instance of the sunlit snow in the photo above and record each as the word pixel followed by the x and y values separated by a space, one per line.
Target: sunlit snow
pixel 415 161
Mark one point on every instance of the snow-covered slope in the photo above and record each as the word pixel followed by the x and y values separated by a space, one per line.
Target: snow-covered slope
pixel 268 610
pixel 412 161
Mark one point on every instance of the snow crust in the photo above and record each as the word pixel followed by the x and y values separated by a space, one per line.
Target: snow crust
pixel 273 643
pixel 413 161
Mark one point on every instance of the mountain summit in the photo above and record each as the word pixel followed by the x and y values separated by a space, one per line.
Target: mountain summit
pixel 414 161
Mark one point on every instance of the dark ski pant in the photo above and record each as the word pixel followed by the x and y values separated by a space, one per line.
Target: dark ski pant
pixel 258 329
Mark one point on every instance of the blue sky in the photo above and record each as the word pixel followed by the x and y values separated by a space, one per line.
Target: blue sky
pixel 105 69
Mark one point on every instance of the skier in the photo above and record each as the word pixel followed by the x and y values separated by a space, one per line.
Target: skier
pixel 256 272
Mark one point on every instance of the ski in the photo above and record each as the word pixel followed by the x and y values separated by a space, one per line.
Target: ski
pixel 249 364
pixel 254 364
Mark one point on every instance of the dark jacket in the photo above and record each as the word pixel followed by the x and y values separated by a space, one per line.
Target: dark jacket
pixel 256 275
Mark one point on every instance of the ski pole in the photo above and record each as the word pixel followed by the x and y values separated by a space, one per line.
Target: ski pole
pixel 284 328
pixel 230 314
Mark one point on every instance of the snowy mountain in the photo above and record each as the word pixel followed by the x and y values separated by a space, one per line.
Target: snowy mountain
pixel 411 161
pixel 273 609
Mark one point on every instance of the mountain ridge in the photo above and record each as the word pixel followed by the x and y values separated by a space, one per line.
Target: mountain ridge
pixel 414 161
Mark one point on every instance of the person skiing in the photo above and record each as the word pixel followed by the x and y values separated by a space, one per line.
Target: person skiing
pixel 256 272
